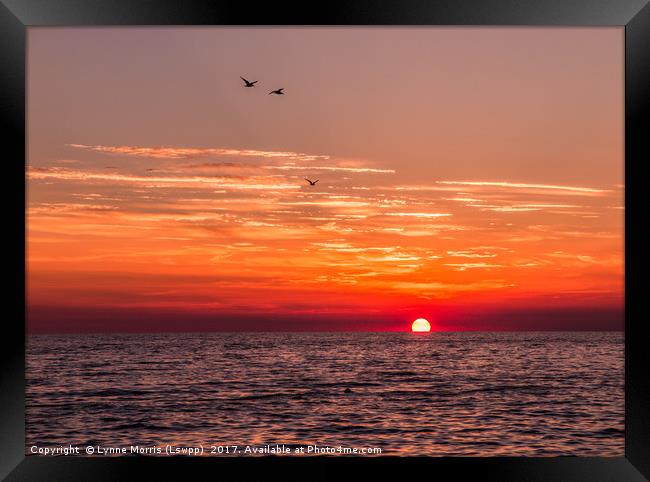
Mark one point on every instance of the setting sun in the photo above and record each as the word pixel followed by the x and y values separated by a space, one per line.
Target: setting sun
pixel 420 325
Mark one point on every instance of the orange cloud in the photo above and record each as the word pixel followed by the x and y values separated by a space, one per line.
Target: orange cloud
pixel 514 185
pixel 192 152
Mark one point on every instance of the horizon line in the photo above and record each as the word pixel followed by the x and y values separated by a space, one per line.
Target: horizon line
pixel 42 333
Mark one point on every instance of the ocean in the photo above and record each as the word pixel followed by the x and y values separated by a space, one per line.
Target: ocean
pixel 435 394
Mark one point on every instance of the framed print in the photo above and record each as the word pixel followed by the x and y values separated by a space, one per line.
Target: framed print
pixel 380 237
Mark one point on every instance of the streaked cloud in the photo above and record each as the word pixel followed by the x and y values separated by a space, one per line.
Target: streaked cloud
pixel 470 254
pixel 515 185
pixel 436 287
pixel 212 182
pixel 419 215
pixel 195 152
pixel 350 234
pixel 289 167
pixel 466 266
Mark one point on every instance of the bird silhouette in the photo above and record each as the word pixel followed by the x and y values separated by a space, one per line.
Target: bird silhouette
pixel 277 92
pixel 248 83
pixel 312 183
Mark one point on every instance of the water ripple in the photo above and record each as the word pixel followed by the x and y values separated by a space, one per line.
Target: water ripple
pixel 535 394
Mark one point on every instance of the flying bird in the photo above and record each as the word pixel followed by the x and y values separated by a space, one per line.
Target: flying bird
pixel 248 83
pixel 277 92
pixel 312 183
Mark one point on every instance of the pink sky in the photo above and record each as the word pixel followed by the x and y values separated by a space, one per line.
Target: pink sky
pixel 473 176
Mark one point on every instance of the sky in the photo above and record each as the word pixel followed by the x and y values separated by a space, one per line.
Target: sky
pixel 471 176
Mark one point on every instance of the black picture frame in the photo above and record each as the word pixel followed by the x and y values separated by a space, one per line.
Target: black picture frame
pixel 17 15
